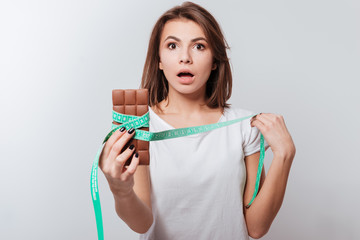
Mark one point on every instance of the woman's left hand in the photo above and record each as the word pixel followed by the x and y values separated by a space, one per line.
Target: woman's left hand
pixel 273 127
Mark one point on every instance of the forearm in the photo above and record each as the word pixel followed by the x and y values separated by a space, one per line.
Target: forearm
pixel 269 199
pixel 134 212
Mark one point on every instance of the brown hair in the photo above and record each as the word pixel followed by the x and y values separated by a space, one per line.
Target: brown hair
pixel 219 84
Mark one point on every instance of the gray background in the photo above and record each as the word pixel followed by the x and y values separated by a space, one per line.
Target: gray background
pixel 59 61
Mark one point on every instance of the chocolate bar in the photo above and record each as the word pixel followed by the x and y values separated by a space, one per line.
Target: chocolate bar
pixel 133 102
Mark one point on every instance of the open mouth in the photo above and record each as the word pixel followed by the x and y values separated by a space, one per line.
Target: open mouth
pixel 185 75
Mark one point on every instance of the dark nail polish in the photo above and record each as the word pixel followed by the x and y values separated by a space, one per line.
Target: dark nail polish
pixel 131 146
pixel 122 129
pixel 136 155
pixel 131 130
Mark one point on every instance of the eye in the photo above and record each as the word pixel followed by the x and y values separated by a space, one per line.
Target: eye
pixel 171 45
pixel 199 46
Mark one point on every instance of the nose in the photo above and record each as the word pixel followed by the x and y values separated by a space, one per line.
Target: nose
pixel 185 57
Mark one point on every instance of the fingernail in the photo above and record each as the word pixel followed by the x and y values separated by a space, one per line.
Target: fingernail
pixel 122 129
pixel 131 146
pixel 131 130
pixel 136 155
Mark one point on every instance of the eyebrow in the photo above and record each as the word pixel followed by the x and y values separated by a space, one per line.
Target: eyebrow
pixel 178 39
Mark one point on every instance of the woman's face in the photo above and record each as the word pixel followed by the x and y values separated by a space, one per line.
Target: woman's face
pixel 185 56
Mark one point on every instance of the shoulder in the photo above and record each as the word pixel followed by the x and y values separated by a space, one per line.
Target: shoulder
pixel 235 112
pixel 239 111
pixel 249 133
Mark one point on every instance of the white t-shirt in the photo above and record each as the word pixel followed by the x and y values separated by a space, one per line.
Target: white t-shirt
pixel 197 181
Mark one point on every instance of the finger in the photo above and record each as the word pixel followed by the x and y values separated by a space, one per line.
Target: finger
pixel 113 138
pixel 132 167
pixel 256 117
pixel 269 116
pixel 257 123
pixel 272 121
pixel 119 163
pixel 264 119
pixel 120 143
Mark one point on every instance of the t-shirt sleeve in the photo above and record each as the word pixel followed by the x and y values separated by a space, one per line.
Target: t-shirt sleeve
pixel 251 142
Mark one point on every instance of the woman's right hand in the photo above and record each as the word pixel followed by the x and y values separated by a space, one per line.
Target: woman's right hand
pixel 112 162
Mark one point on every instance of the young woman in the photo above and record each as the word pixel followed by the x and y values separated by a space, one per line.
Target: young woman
pixel 196 187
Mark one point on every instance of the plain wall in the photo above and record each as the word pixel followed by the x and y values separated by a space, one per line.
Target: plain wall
pixel 59 61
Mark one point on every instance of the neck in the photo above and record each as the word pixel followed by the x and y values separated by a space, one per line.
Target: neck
pixel 184 104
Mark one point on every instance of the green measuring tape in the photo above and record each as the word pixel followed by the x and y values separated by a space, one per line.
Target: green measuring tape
pixel 136 122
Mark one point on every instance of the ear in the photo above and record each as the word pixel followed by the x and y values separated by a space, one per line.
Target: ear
pixel 160 66
pixel 214 66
